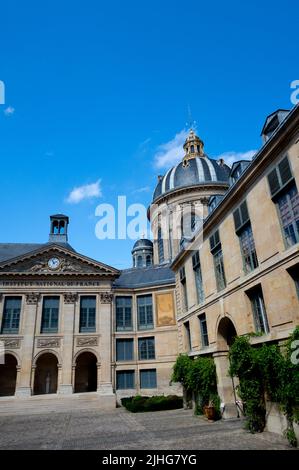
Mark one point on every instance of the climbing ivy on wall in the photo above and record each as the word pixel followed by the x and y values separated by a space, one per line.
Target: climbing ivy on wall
pixel 267 372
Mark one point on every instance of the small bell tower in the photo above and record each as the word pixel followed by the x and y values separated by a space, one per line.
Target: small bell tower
pixel 58 228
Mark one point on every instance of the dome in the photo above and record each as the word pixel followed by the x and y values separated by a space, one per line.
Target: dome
pixel 193 171
pixel 143 244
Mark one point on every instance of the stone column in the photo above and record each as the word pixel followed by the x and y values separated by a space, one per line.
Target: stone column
pixel 66 383
pixel 225 385
pixel 24 387
pixel 105 383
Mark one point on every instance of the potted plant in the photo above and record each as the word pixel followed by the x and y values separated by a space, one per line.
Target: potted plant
pixel 210 411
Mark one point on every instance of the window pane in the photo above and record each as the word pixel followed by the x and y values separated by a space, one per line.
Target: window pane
pixel 88 314
pixel 125 379
pixel 199 284
pixel 203 330
pixel 219 270
pixel 124 349
pixel 145 312
pixel 123 313
pixel 248 249
pixel 148 378
pixel 11 315
pixel 259 311
pixel 50 315
pixel 288 206
pixel 146 348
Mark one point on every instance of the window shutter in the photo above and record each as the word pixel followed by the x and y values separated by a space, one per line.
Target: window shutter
pixel 237 219
pixel 280 176
pixel 273 182
pixel 244 212
pixel 285 171
pixel 214 240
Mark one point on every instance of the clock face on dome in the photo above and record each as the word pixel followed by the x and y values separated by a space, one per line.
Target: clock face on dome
pixel 53 263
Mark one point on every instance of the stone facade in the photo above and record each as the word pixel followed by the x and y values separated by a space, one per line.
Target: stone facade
pixel 262 299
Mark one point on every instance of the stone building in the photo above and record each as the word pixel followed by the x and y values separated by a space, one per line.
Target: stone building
pixel 70 324
pixel 224 261
pixel 239 273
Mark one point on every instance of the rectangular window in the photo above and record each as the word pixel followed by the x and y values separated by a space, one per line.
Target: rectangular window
pixel 148 378
pixel 124 349
pixel 146 348
pixel 145 312
pixel 288 208
pixel 258 308
pixel 248 252
pixel 188 335
pixel 184 289
pixel 203 330
pixel 125 379
pixel 11 315
pixel 244 231
pixel 198 277
pixel 219 270
pixel 87 314
pixel 124 314
pixel 50 315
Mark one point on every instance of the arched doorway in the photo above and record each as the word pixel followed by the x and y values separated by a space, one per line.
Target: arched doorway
pixel 46 374
pixel 86 373
pixel 226 334
pixel 8 376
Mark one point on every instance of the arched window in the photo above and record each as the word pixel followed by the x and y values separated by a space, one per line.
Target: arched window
pixel 148 260
pixel 192 148
pixel 139 261
pixel 61 228
pixel 55 229
pixel 160 246
pixel 198 148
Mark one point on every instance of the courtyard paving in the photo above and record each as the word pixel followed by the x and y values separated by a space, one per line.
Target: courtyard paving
pixel 119 429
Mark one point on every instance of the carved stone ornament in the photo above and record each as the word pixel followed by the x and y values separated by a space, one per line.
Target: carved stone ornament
pixel 106 297
pixel 87 341
pixel 11 343
pixel 48 342
pixel 32 298
pixel 70 297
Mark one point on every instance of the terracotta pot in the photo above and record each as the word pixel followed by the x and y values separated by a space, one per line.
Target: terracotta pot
pixel 210 412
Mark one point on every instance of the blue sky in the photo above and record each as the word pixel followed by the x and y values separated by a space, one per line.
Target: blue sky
pixel 97 94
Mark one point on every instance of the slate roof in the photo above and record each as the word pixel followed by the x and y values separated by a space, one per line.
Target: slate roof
pixel 143 277
pixel 13 250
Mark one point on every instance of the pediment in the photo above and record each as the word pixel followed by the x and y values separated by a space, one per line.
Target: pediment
pixel 54 260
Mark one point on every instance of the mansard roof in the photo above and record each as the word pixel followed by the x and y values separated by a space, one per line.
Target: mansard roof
pixel 145 277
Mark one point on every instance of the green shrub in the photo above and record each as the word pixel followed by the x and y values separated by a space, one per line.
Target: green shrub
pixel 156 403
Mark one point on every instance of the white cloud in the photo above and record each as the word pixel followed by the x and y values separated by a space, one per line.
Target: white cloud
pixel 144 189
pixel 9 111
pixel 170 153
pixel 86 191
pixel 231 157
